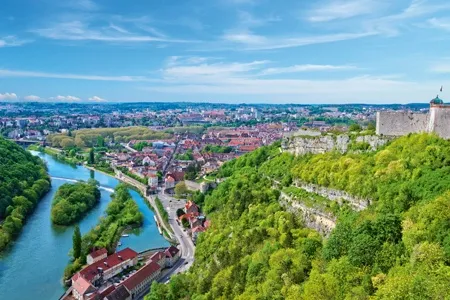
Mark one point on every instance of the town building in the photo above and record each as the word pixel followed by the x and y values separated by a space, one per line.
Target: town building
pixel 85 281
pixel 139 283
pixel 172 255
pixel 97 255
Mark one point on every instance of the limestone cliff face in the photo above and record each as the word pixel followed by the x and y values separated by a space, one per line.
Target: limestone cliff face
pixel 301 145
pixel 316 219
pixel 334 195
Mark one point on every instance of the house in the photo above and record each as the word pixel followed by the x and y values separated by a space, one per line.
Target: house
pixel 153 180
pixel 191 207
pixel 85 281
pixel 172 255
pixel 170 182
pixel 97 255
pixel 173 178
pixel 120 293
pixel 139 283
pixel 159 258
pixel 81 287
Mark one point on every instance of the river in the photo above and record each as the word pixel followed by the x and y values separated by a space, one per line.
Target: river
pixel 32 268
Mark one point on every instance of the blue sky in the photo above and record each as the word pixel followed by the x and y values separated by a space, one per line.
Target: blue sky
pixel 255 51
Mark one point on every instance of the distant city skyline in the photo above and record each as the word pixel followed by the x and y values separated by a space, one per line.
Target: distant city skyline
pixel 225 51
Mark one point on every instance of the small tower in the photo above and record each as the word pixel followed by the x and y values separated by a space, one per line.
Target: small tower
pixel 436 101
pixel 437 111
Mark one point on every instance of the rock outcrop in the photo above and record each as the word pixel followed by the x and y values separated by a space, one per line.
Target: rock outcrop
pixel 323 222
pixel 305 144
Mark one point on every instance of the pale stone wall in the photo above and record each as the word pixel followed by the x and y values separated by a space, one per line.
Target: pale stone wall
pixel 440 117
pixel 399 123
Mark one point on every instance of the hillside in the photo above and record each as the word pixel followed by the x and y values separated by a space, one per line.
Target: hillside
pixel 23 182
pixel 397 248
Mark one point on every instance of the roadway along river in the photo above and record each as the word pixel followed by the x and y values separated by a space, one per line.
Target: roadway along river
pixel 33 267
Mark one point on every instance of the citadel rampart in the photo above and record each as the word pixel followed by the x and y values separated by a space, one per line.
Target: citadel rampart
pixel 398 123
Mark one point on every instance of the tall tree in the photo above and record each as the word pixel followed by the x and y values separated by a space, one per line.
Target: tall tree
pixel 91 160
pixel 76 240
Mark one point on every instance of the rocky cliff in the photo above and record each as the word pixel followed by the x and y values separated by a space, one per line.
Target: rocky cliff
pixel 305 144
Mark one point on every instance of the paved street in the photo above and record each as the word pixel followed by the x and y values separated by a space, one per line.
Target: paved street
pixel 187 246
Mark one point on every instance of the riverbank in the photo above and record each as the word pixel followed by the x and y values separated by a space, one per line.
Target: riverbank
pixel 46 246
pixel 166 229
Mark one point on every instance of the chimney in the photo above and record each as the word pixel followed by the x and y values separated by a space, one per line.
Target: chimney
pixel 105 263
pixel 120 257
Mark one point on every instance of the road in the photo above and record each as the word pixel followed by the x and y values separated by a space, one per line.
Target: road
pixel 126 146
pixel 187 246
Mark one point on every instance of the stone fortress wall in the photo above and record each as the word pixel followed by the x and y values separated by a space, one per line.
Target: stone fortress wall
pixel 398 123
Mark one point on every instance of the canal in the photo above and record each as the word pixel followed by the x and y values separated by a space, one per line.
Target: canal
pixel 32 268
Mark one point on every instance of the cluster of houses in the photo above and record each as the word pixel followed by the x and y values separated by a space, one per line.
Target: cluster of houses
pixel 99 280
pixel 197 221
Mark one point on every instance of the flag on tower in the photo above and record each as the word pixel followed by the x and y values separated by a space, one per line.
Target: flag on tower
pixel 441 88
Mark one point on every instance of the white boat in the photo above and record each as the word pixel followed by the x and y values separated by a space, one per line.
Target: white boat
pixel 125 235
pixel 119 244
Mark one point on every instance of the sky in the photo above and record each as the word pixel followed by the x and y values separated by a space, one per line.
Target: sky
pixel 228 51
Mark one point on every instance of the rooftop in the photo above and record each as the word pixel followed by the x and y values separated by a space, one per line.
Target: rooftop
pixel 141 275
pixel 437 100
pixel 98 253
pixel 105 264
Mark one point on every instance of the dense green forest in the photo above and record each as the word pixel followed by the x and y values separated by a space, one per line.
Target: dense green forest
pixel 122 212
pixel 73 200
pixel 98 137
pixel 23 182
pixel 398 248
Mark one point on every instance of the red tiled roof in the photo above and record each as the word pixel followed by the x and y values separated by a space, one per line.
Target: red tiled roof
pixel 171 251
pixel 106 291
pixel 98 253
pixel 141 275
pixel 199 228
pixel 91 271
pixel 81 284
pixel 157 256
pixel 190 204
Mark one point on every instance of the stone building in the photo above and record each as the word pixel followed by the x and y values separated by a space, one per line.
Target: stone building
pixel 399 123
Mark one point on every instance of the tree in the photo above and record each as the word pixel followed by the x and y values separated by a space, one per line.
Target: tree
pixel 180 212
pixel 91 160
pixel 371 126
pixel 354 127
pixel 181 189
pixel 100 141
pixel 76 240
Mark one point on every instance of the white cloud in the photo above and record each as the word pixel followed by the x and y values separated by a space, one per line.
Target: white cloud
pixel 306 68
pixel 81 31
pixel 342 9
pixel 440 23
pixel 97 99
pixel 8 96
pixel 364 89
pixel 206 71
pixel 245 37
pixel 31 74
pixel 32 98
pixel 65 98
pixel 12 41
